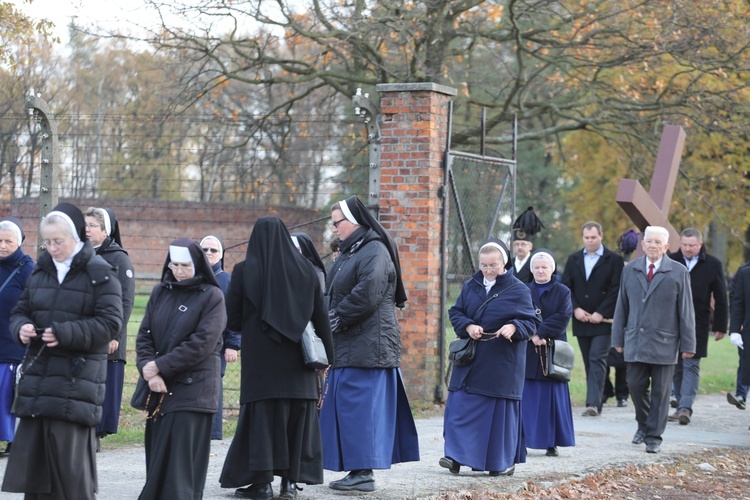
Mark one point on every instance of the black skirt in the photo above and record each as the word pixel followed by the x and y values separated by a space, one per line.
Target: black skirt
pixel 178 446
pixel 275 437
pixel 52 459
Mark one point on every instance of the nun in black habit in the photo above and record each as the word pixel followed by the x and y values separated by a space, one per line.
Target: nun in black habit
pixel 273 294
pixel 177 352
pixel 366 421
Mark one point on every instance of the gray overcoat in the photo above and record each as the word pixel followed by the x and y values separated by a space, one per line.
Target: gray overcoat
pixel 654 322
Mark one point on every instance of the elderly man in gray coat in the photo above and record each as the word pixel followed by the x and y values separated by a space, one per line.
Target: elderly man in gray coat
pixel 654 322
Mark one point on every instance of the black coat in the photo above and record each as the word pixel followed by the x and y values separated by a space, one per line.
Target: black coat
pixel 186 349
pixel 598 294
pixel 272 365
pixel 525 273
pixel 707 279
pixel 361 289
pixel 66 382
pixel 118 257
pixel 556 311
pixel 739 320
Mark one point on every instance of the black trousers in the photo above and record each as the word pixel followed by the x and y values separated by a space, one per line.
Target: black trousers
pixel 650 388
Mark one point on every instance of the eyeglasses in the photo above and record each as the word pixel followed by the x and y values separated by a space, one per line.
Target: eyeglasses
pixel 337 222
pixel 485 267
pixel 212 250
pixel 177 266
pixel 94 226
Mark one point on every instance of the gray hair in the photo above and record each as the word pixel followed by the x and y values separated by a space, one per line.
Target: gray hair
pixel 657 230
pixel 7 225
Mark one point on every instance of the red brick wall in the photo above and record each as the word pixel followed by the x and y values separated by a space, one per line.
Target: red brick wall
pixel 414 130
pixel 147 227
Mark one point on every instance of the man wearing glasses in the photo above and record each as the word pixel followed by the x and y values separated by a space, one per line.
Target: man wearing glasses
pixel 213 248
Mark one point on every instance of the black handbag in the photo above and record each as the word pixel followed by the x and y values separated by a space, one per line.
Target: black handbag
pixel 461 351
pixel 557 358
pixel 313 350
pixel 140 394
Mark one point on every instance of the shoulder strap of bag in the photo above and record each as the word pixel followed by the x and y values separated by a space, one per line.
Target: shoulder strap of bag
pixel 494 296
pixel 10 276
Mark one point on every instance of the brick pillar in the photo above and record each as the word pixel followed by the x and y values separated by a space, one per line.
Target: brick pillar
pixel 413 129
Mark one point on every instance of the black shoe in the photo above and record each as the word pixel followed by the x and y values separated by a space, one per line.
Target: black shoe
pixel 256 492
pixel 6 452
pixel 673 402
pixel 507 472
pixel 622 403
pixel 450 464
pixel 638 438
pixel 288 488
pixel 359 480
pixel 552 451
pixel 653 448
pixel 739 402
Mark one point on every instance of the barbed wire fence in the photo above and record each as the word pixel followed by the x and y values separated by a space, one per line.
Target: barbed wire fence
pixel 194 175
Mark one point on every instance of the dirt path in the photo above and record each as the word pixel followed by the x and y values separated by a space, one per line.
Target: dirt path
pixel 601 442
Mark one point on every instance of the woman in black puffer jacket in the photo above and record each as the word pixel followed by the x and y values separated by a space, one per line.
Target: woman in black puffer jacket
pixel 177 352
pixel 68 313
pixel 366 422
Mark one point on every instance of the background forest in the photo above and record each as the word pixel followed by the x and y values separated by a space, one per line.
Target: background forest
pixel 250 101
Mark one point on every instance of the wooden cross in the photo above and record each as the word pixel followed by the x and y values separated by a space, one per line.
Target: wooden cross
pixel 652 208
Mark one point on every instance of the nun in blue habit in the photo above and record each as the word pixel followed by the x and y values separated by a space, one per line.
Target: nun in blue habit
pixel 366 422
pixel 482 423
pixel 547 415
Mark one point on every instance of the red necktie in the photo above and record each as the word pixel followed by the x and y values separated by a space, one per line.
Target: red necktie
pixel 650 273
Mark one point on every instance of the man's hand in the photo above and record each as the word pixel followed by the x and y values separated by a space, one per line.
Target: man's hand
pixel 719 335
pixel 596 318
pixel 230 355
pixel 687 355
pixel 581 315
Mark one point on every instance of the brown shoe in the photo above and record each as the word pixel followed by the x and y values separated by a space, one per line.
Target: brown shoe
pixel 674 417
pixel 684 416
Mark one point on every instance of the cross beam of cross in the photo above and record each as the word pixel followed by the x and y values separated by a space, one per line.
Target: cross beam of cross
pixel 652 208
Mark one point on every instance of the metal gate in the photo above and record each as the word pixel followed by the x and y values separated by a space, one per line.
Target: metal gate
pixel 479 203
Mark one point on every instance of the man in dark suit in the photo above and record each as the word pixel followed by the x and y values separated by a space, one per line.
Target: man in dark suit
pixel 706 281
pixel 654 324
pixel 522 247
pixel 593 276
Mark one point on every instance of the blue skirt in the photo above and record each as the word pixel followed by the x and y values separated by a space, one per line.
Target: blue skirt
pixel 7 391
pixel 547 415
pixel 366 421
pixel 112 399
pixel 483 432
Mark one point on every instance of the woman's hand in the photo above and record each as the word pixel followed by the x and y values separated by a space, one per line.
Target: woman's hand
pixel 537 340
pixel 475 331
pixel 26 333
pixel 49 337
pixel 157 384
pixel 507 331
pixel 150 370
pixel 113 345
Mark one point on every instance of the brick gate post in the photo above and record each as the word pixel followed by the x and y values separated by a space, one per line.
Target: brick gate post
pixel 413 129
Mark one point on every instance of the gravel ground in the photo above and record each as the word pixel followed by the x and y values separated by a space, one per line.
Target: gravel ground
pixel 601 442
